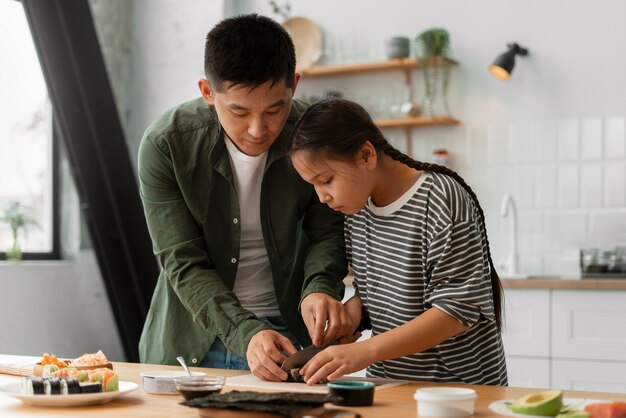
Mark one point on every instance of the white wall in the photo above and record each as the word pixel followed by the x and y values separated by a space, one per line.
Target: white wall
pixel 553 135
pixel 56 307
pixel 167 57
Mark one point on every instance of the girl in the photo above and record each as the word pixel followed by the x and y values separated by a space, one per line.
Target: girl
pixel 416 242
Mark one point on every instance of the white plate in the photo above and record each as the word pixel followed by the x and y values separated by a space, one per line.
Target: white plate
pixel 307 39
pixel 501 407
pixel 15 390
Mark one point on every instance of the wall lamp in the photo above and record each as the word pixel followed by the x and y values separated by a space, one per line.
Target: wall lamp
pixel 503 65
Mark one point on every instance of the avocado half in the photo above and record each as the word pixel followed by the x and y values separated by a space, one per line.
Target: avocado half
pixel 547 403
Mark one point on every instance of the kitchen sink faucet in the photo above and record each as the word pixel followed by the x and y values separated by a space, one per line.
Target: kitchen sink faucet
pixel 509 264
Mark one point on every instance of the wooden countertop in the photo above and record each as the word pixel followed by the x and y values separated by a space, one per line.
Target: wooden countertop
pixel 551 282
pixel 393 402
pixel 569 284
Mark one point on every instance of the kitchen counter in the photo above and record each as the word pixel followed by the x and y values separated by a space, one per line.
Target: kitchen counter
pixel 393 402
pixel 552 282
pixel 565 284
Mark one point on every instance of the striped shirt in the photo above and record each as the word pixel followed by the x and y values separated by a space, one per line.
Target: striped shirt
pixel 428 249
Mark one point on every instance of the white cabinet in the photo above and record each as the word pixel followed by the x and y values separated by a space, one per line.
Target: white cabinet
pixel 587 375
pixel 566 339
pixel 589 325
pixel 527 322
pixel 528 372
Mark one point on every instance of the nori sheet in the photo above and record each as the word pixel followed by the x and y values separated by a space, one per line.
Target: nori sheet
pixel 287 404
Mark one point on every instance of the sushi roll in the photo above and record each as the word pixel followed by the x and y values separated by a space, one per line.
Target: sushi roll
pixel 69 386
pixel 52 386
pixel 33 386
pixel 90 387
pixel 49 370
pixel 82 375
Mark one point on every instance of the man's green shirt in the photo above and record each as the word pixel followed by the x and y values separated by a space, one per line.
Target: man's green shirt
pixel 192 212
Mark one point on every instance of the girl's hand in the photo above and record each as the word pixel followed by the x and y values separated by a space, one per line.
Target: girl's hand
pixel 336 361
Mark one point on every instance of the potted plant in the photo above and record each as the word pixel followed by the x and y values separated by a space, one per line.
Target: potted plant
pixel 433 53
pixel 15 215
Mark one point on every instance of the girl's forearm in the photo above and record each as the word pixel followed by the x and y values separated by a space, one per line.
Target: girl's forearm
pixel 426 331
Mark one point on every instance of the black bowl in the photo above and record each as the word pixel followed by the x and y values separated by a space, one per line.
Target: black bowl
pixel 353 392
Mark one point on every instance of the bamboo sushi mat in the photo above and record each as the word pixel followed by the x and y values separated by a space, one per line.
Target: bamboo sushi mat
pixel 13 366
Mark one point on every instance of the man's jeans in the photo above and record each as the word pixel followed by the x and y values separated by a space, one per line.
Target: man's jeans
pixel 220 357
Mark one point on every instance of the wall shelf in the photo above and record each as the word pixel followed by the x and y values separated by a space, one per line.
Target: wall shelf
pixel 407 66
pixel 402 64
pixel 410 122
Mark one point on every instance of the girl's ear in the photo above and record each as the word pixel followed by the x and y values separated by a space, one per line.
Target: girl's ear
pixel 368 155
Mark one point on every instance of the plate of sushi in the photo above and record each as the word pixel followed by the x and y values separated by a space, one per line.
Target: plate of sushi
pixel 70 387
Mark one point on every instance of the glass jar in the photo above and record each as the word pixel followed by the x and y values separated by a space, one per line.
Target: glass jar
pixel 620 250
pixel 590 261
pixel 607 258
pixel 614 262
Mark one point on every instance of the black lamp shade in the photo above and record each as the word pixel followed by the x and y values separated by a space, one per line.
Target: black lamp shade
pixel 503 65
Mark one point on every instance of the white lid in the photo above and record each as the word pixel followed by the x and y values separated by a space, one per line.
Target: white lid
pixel 168 374
pixel 444 394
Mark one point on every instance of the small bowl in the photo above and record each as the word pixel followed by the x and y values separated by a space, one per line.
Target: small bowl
pixel 198 386
pixel 353 392
pixel 162 382
pixel 445 402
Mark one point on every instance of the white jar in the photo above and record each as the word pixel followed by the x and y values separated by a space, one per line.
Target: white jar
pixel 445 402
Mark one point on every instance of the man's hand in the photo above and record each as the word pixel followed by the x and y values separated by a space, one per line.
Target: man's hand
pixel 265 354
pixel 353 308
pixel 320 308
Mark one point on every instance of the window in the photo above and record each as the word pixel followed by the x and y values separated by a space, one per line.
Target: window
pixel 27 145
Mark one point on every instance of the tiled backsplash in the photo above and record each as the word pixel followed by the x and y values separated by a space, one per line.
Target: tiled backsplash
pixel 567 177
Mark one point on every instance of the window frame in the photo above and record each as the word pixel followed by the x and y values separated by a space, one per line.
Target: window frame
pixel 55 252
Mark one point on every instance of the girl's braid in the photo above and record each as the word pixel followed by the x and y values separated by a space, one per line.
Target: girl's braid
pixel 381 143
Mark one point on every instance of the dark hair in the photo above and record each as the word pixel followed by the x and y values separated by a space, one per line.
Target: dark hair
pixel 249 50
pixel 337 128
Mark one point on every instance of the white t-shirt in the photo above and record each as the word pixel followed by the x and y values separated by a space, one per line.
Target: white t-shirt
pixel 254 285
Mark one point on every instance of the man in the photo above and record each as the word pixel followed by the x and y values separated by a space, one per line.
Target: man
pixel 252 262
